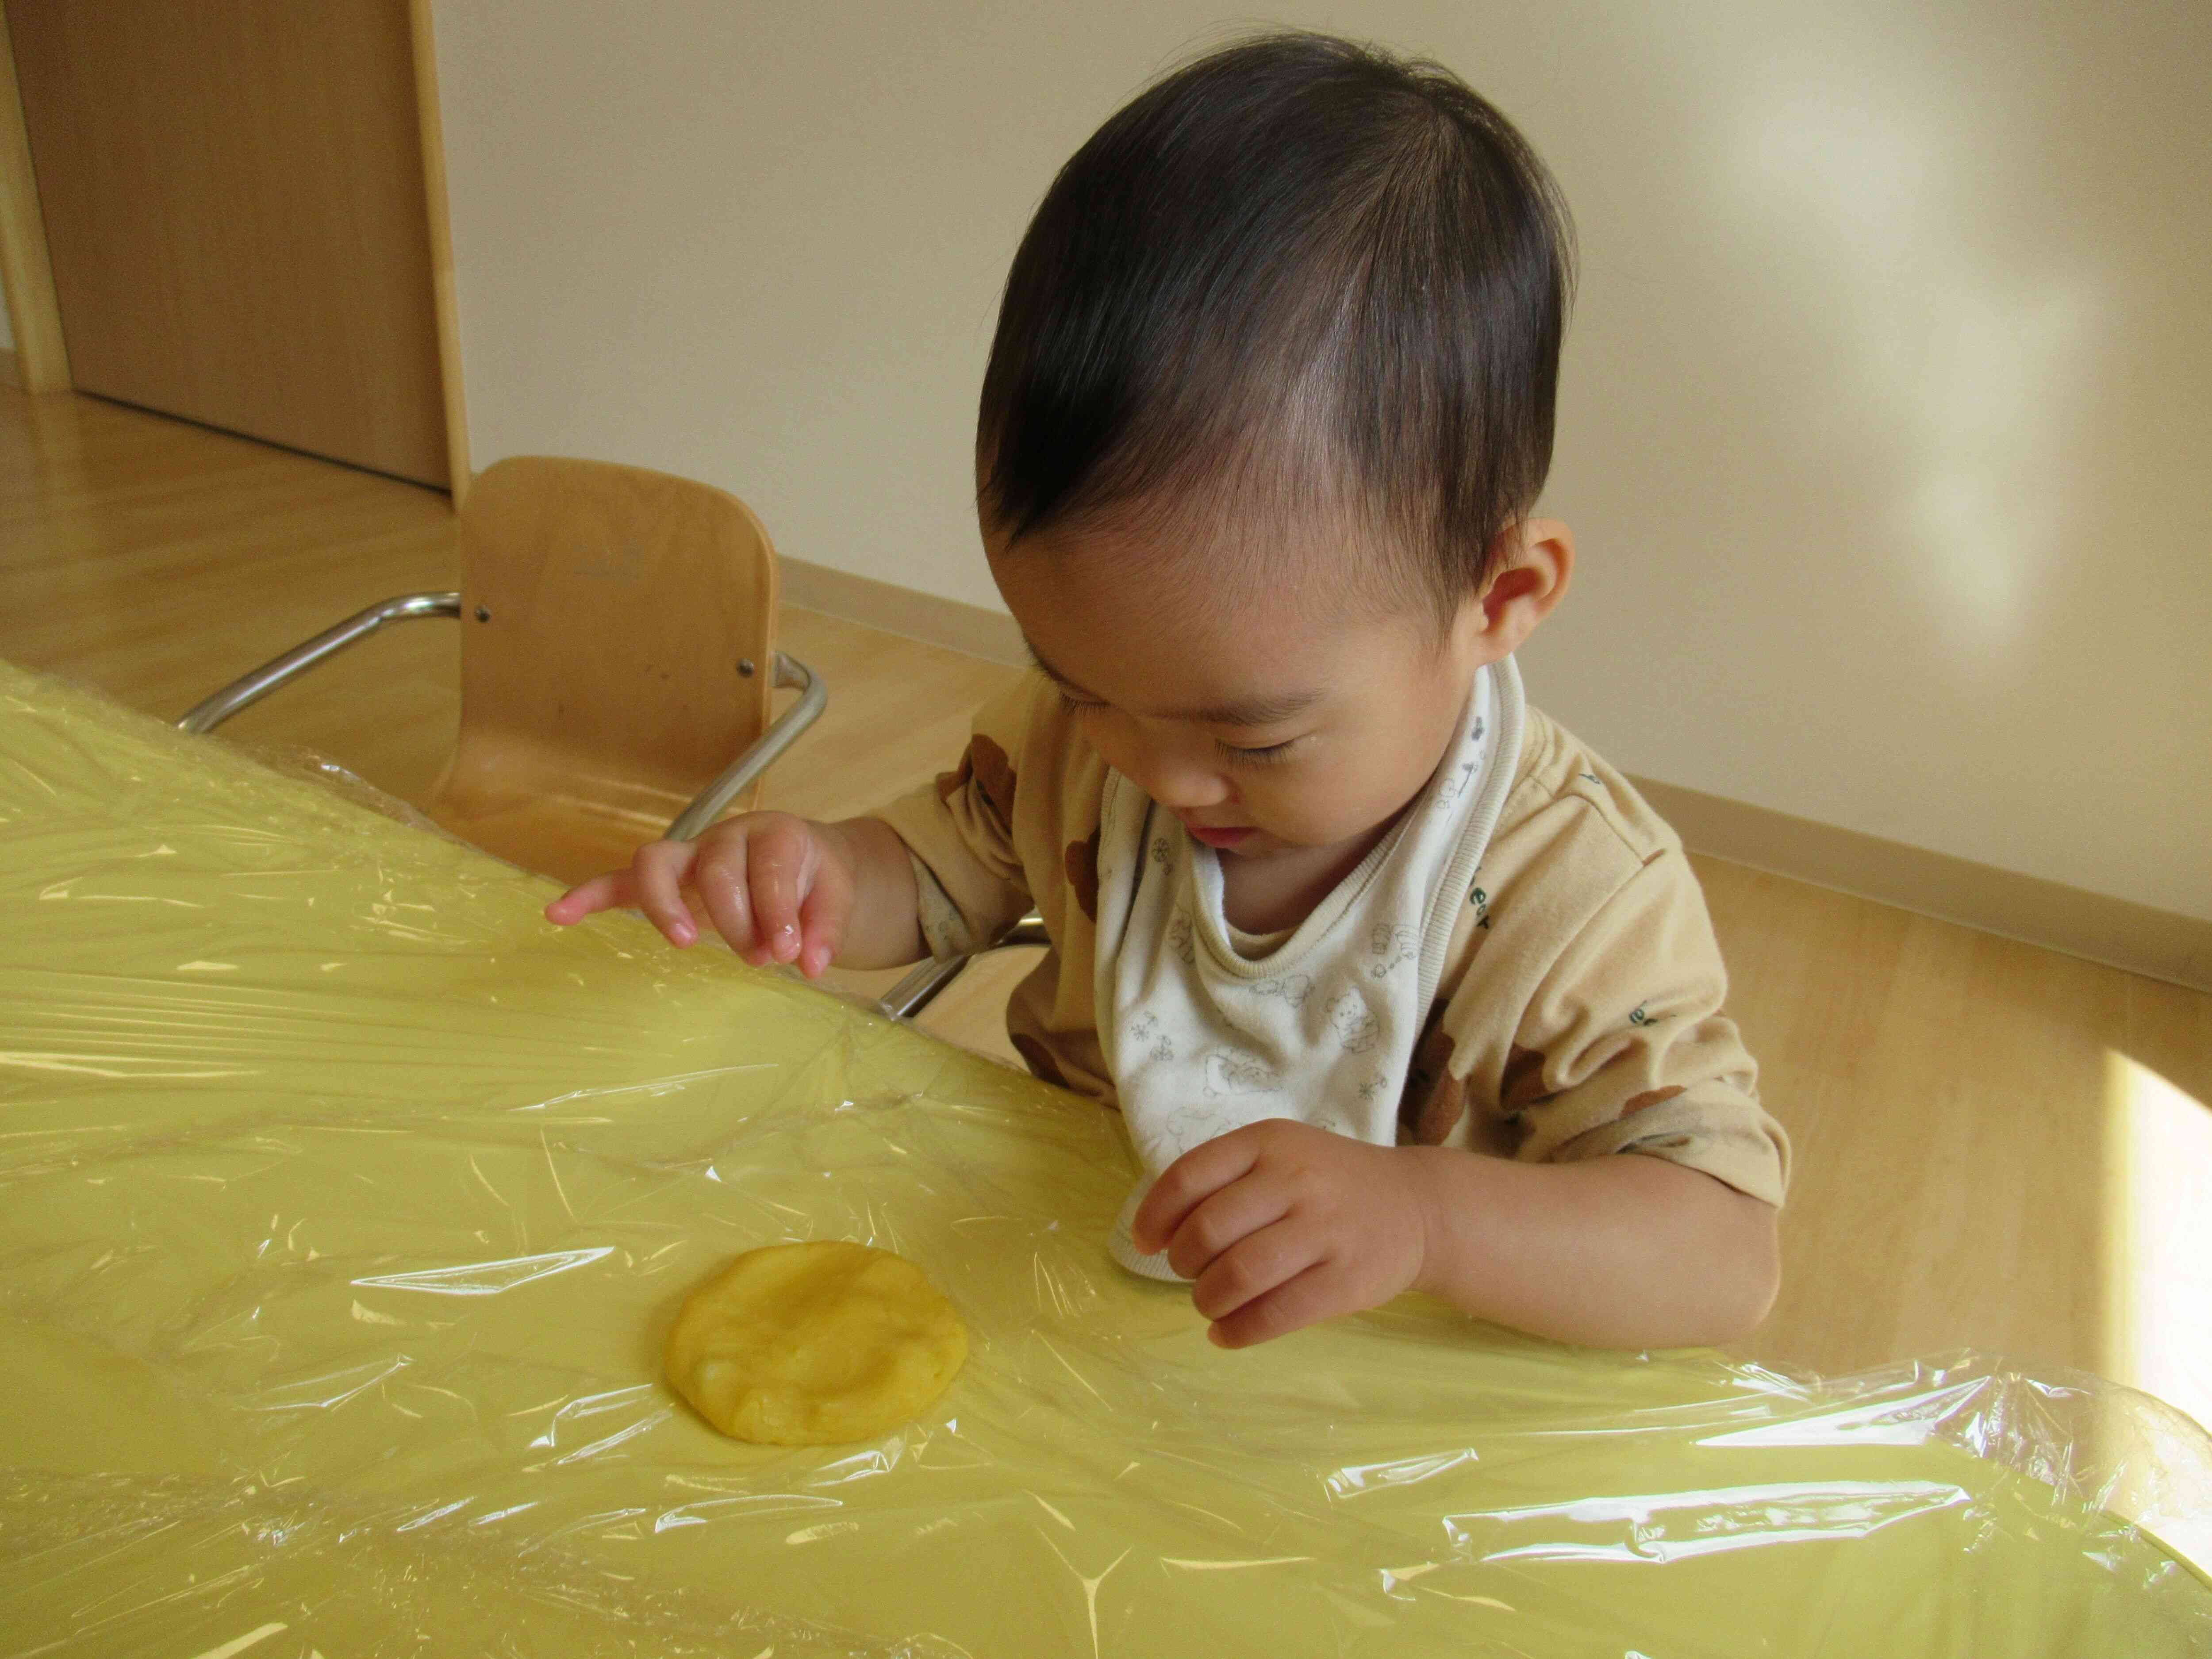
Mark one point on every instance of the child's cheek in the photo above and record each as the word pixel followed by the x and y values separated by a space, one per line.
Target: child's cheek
pixel 1307 811
pixel 1324 805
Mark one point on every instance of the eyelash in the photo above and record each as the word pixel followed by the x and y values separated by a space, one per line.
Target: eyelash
pixel 1268 755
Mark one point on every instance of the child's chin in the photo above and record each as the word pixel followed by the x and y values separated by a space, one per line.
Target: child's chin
pixel 1261 845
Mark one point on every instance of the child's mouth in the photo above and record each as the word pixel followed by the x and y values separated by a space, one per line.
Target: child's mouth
pixel 1218 837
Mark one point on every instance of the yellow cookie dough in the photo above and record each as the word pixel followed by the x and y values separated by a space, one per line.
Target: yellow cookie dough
pixel 809 1345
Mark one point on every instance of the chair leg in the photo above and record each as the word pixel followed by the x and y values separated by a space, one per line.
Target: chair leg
pixel 920 987
pixel 928 981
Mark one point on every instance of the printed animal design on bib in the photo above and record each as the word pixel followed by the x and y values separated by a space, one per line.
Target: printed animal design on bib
pixel 1148 1031
pixel 1180 939
pixel 1354 1022
pixel 1293 988
pixel 1184 1128
pixel 1394 943
pixel 1228 1072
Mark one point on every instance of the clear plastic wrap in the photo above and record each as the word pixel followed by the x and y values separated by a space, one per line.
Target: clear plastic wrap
pixel 344 1204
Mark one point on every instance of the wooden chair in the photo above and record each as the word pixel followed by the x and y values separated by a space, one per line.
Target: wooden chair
pixel 617 669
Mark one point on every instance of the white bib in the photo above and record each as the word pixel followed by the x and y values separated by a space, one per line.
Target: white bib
pixel 1201 1041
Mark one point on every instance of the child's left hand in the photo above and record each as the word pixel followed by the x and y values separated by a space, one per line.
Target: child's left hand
pixel 1282 1224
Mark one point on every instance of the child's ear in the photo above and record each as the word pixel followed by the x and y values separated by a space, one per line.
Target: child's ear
pixel 1531 563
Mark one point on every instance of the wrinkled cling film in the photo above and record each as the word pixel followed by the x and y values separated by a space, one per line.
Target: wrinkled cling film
pixel 345 1203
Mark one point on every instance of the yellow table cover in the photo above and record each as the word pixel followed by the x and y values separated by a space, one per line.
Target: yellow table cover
pixel 344 1204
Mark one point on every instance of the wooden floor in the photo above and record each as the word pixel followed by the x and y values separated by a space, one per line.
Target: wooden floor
pixel 1998 1147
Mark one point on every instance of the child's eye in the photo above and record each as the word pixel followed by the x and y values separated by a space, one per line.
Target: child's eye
pixel 1265 754
pixel 1273 751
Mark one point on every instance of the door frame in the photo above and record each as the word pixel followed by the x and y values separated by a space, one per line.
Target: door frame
pixel 40 361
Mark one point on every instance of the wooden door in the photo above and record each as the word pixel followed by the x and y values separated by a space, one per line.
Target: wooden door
pixel 232 192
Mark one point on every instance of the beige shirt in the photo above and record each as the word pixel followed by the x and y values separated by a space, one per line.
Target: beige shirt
pixel 1578 1012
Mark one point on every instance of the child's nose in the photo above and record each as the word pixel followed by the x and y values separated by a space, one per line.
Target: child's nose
pixel 1183 782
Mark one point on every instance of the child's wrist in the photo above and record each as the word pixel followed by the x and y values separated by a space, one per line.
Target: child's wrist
pixel 884 929
pixel 1438 1181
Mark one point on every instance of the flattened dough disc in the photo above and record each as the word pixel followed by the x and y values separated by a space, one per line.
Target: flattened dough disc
pixel 814 1343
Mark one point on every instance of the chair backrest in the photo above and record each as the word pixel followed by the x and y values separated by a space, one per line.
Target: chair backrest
pixel 617 654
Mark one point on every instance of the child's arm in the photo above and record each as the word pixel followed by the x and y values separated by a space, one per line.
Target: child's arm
pixel 1626 1251
pixel 778 888
pixel 1282 1224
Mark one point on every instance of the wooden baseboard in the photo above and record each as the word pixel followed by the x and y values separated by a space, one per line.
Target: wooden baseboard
pixel 2158 944
pixel 969 628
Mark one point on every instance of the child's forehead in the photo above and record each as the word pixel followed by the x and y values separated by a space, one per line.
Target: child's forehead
pixel 1215 569
pixel 1182 637
pixel 1220 692
pixel 1195 589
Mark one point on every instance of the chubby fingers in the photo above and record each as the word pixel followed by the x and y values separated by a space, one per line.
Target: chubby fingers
pixel 656 886
pixel 1257 1272
pixel 1279 1223
pixel 752 876
pixel 767 882
pixel 1248 1208
pixel 1271 1285
pixel 721 878
pixel 1186 1183
pixel 823 917
pixel 782 863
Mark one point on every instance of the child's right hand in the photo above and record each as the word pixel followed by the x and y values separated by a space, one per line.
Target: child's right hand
pixel 778 888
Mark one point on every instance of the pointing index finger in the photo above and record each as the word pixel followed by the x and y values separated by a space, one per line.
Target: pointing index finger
pixel 589 898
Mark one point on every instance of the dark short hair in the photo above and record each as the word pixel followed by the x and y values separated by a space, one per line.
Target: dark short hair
pixel 1298 272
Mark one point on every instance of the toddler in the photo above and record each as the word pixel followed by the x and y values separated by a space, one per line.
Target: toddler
pixel 1383 969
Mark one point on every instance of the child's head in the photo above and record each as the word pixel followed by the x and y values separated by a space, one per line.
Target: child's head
pixel 1271 396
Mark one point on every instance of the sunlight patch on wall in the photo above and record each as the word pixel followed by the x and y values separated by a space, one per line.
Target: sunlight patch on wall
pixel 1970 369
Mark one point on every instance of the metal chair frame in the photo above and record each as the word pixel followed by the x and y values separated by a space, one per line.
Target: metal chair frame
pixel 914 992
pixel 791 674
pixel 928 981
pixel 920 987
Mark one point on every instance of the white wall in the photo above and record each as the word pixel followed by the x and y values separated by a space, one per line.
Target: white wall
pixel 1885 425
